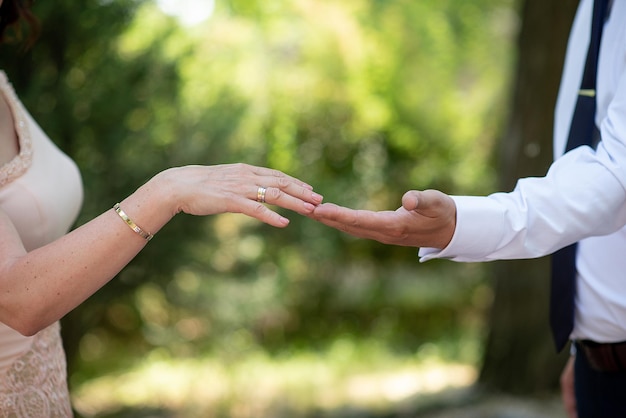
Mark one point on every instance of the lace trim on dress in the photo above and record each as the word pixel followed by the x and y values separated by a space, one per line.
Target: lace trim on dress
pixel 35 385
pixel 18 165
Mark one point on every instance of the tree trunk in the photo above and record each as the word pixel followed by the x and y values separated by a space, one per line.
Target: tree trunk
pixel 520 357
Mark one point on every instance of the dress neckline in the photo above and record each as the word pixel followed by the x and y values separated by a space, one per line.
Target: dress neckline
pixel 22 161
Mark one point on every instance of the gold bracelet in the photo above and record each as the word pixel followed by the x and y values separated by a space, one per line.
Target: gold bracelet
pixel 146 235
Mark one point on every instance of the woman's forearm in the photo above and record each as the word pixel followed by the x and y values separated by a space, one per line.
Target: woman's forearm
pixel 41 286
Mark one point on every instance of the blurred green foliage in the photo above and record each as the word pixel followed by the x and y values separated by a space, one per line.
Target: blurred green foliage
pixel 362 99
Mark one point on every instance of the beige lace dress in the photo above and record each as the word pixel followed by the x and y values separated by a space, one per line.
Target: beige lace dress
pixel 41 192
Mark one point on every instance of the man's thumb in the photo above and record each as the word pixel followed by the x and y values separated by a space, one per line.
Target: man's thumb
pixel 431 203
pixel 411 200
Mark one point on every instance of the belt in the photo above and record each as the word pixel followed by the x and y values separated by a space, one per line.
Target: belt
pixel 604 357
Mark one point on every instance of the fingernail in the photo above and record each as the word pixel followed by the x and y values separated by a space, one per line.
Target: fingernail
pixel 317 197
pixel 284 220
pixel 309 207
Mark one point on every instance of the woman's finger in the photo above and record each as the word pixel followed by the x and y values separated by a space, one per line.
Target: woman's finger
pixel 261 212
pixel 290 188
pixel 276 174
pixel 275 196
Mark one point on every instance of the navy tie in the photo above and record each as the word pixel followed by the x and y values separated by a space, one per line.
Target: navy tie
pixel 563 288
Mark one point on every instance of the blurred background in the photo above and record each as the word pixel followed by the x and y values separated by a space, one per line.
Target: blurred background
pixel 364 99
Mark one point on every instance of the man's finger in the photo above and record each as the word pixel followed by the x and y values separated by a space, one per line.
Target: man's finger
pixel 354 218
pixel 430 203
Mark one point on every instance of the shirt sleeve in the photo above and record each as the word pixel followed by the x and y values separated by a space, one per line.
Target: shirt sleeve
pixel 582 195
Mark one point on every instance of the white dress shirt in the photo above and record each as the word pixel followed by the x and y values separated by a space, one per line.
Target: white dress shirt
pixel 581 198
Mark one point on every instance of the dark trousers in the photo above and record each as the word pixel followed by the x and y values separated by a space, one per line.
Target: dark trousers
pixel 598 394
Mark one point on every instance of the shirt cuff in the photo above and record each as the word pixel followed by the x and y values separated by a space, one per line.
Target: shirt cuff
pixel 479 230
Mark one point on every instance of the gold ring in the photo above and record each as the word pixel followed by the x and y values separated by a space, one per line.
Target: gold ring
pixel 260 194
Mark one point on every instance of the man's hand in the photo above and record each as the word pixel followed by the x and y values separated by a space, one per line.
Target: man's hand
pixel 568 395
pixel 425 219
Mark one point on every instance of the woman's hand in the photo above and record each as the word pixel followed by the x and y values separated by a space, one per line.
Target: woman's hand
pixel 237 188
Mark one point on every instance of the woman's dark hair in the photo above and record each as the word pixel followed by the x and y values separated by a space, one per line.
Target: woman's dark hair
pixel 12 13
